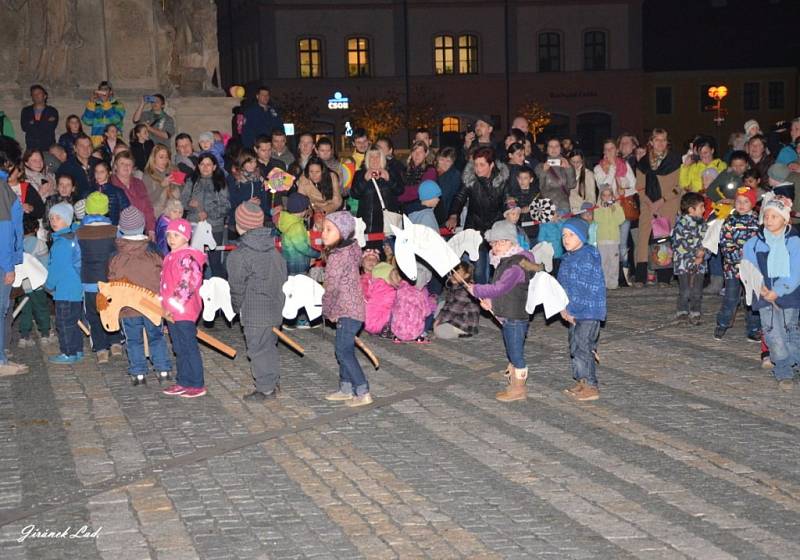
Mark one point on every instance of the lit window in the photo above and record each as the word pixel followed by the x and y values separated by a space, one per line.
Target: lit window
pixel 467 54
pixel 444 54
pixel 549 52
pixel 310 56
pixel 594 50
pixel 451 124
pixel 358 57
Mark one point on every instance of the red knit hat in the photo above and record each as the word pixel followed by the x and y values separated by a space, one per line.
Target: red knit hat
pixel 748 193
pixel 181 227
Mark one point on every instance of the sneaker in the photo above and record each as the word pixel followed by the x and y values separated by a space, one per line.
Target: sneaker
pixel 362 400
pixel 386 332
pixel 102 356
pixel 422 339
pixel 12 368
pixel 754 337
pixel 63 359
pixel 163 376
pixel 47 340
pixel 719 332
pixel 575 389
pixel 116 349
pixel 259 396
pixel 303 324
pixel 175 390
pixel 79 355
pixel 139 379
pixel 786 385
pixel 586 392
pixel 695 320
pixel 25 342
pixel 288 327
pixel 193 392
pixel 339 396
pixel 766 363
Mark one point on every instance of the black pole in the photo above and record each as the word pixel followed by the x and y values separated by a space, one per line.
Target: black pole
pixel 405 70
pixel 508 66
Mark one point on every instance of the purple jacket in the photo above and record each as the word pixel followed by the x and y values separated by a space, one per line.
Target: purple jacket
pixel 343 295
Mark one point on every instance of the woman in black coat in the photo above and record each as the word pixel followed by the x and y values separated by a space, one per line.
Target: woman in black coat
pixel 370 208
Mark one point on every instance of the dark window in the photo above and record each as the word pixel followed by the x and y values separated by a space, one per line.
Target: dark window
pixel 663 100
pixel 775 97
pixel 310 56
pixel 751 94
pixel 549 52
pixel 593 129
pixel 594 50
pixel 467 54
pixel 358 57
pixel 706 103
pixel 444 54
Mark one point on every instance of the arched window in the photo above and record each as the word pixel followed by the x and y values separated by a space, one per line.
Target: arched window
pixel 594 50
pixel 309 53
pixel 549 52
pixel 444 54
pixel 467 54
pixel 358 57
pixel 451 124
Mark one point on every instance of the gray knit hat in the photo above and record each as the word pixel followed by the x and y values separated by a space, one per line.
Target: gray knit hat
pixel 64 211
pixel 502 230
pixel 131 221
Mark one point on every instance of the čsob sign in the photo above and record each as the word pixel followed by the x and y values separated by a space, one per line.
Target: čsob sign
pixel 338 101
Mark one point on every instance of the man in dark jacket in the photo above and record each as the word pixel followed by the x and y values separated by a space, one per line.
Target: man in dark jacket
pixel 256 274
pixel 39 121
pixel 260 118
pixel 81 167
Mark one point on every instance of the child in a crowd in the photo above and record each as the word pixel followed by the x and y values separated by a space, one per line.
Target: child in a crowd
pixel 512 216
pixel 65 192
pixel 608 218
pixel 411 308
pixel 379 295
pixel 37 309
pixel 173 210
pixel 295 243
pixel 64 283
pixel 551 233
pixel 343 304
pixel 739 227
pixel 429 194
pixel 117 199
pixel 505 296
pixel 181 279
pixel 587 214
pixel 247 184
pixel 460 313
pixel 581 277
pixel 256 273
pixel 775 250
pixel 523 195
pixel 96 236
pixel 138 261
pixel 209 142
pixel 689 258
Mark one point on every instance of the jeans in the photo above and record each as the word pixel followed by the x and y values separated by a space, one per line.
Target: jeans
pixel 690 294
pixel 514 333
pixel 187 353
pixel 583 337
pixel 265 362
pixel 782 334
pixel 481 274
pixel 159 354
pixel 734 294
pixel 101 340
pixel 351 376
pixel 37 309
pixel 715 265
pixel 624 232
pixel 215 266
pixel 5 302
pixel 70 338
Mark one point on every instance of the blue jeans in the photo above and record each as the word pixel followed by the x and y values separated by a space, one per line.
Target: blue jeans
pixel 5 302
pixel 101 340
pixel 715 265
pixel 187 353
pixel 782 334
pixel 624 231
pixel 70 338
pixel 583 337
pixel 734 293
pixel 351 376
pixel 159 355
pixel 514 333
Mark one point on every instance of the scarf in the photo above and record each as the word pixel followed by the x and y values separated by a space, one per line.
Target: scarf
pixel 620 168
pixel 414 174
pixel 494 260
pixel 247 176
pixel 778 257
pixel 670 163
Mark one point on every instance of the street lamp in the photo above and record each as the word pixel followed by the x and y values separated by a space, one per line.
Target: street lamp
pixel 718 93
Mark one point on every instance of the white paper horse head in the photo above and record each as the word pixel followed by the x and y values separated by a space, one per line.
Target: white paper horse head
pixel 30 269
pixel 202 236
pixel 302 291
pixel 216 294
pixel 543 253
pixel 545 290
pixel 416 240
pixel 466 241
pixel 360 233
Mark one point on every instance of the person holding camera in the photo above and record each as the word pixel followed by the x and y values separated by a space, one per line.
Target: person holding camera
pixel 556 176
pixel 159 124
pixel 376 190
pixel 103 109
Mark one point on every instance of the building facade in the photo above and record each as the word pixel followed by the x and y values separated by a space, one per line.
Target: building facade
pixel 581 60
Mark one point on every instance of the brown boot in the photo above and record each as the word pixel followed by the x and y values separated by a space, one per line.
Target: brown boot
pixel 586 392
pixel 516 390
pixel 501 375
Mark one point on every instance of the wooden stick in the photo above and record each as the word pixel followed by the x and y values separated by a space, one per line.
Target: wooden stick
pixel 18 308
pixel 84 328
pixel 466 287
pixel 372 357
pixel 288 341
pixel 146 343
pixel 216 343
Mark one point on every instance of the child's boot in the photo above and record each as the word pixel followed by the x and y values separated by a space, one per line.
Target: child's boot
pixel 502 375
pixel 516 390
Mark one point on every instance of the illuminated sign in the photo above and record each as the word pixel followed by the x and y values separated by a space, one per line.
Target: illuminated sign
pixel 348 130
pixel 288 128
pixel 338 102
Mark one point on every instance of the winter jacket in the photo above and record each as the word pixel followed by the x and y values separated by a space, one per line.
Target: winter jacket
pixel 756 251
pixel 409 198
pixel 318 202
pixel 83 176
pixel 369 205
pixel 160 195
pixel 556 184
pixel 64 267
pixel 215 203
pixel 136 261
pixel 117 201
pixel 691 176
pixel 161 234
pixel 581 276
pixel 379 299
pixel 96 237
pixel 137 196
pixel 181 278
pixel 99 114
pixel 51 201
pixel 737 230
pixel 28 195
pixel 10 227
pixel 450 183
pixel 460 309
pixel 589 190
pixel 295 245
pixel 410 309
pixel 551 232
pixel 141 153
pixel 242 191
pixel 484 197
pixel 6 126
pixel 343 296
pixel 687 239
pixel 258 121
pixel 256 274
pixel 40 133
pixel 509 288
pixel 608 220
pixel 67 141
pixel 425 217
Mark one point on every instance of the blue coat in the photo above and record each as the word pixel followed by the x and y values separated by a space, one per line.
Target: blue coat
pixel 39 134
pixel 64 267
pixel 258 121
pixel 84 181
pixel 10 227
pixel 581 276
pixel 756 251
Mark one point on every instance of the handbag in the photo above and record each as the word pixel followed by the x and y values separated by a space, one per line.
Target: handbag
pixel 630 206
pixel 389 218
pixel 661 228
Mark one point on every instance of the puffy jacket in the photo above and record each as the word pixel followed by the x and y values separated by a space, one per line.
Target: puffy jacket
pixel 691 177
pixel 64 267
pixel 256 274
pixel 756 251
pixel 96 237
pixel 343 296
pixel 509 288
pixel 736 231
pixel 98 115
pixel 10 227
pixel 485 198
pixel 411 307
pixel 369 205
pixel 687 239
pixel 181 278
pixel 117 201
pixel 215 203
pixel 137 261
pixel 379 299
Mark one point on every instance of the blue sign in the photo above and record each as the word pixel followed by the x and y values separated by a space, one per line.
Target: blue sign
pixel 338 101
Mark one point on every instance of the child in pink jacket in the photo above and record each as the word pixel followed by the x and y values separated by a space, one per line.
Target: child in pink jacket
pixel 181 278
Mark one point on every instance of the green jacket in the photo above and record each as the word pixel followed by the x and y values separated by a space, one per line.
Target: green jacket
pixel 6 126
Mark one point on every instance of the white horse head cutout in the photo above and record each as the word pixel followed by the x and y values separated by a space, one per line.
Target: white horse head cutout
pixel 416 240
pixel 216 294
pixel 466 241
pixel 202 237
pixel 543 253
pixel 30 269
pixel 302 291
pixel 360 232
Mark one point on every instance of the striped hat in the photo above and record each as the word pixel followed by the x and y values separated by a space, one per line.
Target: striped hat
pixel 249 216
pixel 131 221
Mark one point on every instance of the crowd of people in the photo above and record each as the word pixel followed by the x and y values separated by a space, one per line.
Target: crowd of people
pixel 92 208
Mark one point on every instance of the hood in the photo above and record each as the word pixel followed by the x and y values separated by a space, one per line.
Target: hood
pixel 259 239
pixel 132 247
pixel 498 178
pixel 286 220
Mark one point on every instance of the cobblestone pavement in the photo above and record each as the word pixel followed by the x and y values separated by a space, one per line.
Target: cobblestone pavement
pixel 690 453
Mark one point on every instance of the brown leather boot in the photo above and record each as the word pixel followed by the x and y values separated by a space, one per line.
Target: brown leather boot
pixel 516 390
pixel 501 375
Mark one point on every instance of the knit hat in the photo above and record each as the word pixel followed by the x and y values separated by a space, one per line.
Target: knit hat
pixel 500 231
pixel 748 193
pixel 131 221
pixel 779 207
pixel 750 124
pixel 429 189
pixel 778 172
pixel 344 222
pixel 297 203
pixel 249 216
pixel 64 211
pixel 382 271
pixel 97 204
pixel 80 209
pixel 587 206
pixel 205 137
pixel 578 227
pixel 181 227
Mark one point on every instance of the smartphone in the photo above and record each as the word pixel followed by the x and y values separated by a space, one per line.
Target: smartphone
pixel 149 98
pixel 554 162
pixel 470 128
